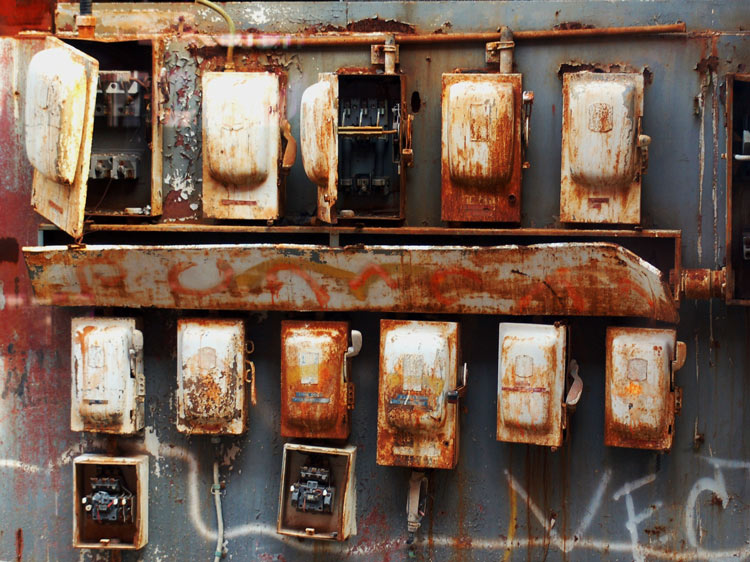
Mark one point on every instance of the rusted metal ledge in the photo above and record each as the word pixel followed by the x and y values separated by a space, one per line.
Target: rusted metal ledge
pixel 120 21
pixel 380 230
pixel 564 279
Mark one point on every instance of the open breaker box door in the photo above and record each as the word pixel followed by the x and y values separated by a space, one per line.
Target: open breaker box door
pixel 59 114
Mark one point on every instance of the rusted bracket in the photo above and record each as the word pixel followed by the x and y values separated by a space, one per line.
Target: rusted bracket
pixel 494 49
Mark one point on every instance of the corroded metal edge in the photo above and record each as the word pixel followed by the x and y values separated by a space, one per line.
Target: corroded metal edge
pixel 561 279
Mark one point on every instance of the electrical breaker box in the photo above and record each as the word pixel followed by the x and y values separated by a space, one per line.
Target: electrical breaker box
pixel 481 147
pixel 317 393
pixel 110 502
pixel 89 132
pixel 318 493
pixel 604 153
pixel 531 384
pixel 641 399
pixel 211 376
pixel 108 383
pixel 418 395
pixel 242 145
pixel 355 137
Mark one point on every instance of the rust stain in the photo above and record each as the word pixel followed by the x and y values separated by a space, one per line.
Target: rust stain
pixel 640 400
pixel 481 147
pixel 211 376
pixel 417 426
pixel 580 279
pixel 376 24
pixel 314 394
pixel 19 544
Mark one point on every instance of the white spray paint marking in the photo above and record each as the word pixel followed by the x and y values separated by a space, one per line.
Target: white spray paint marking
pixel 2 297
pixel 499 544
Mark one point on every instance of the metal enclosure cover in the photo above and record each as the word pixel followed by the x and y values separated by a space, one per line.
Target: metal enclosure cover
pixel 341 523
pixel 481 147
pixel 108 385
pixel 314 380
pixel 639 399
pixel 319 141
pixel 601 161
pixel 241 145
pixel 531 384
pixel 59 119
pixel 137 466
pixel 417 427
pixel 55 110
pixel 211 376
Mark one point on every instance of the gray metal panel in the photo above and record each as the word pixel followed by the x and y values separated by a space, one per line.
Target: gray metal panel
pixel 501 501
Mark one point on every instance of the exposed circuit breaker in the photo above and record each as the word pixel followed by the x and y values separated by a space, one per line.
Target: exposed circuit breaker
pixel 317 393
pixel 641 399
pixel 211 369
pixel 356 145
pixel 108 383
pixel 89 133
pixel 532 406
pixel 604 152
pixel 110 496
pixel 318 494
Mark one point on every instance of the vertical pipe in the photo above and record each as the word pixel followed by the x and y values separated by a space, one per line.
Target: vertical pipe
pixel 506 52
pixel 389 53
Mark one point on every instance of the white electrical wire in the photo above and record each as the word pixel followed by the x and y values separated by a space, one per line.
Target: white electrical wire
pixel 216 491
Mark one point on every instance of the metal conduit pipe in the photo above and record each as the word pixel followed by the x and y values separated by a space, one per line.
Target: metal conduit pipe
pixel 276 41
pixel 230 48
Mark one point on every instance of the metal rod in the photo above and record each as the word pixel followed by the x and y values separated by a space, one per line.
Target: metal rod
pixel 230 49
pixel 274 41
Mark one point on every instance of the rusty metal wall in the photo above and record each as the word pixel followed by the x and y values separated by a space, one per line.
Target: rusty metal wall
pixel 503 501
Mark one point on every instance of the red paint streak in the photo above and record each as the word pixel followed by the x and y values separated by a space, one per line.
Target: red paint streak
pixel 274 285
pixel 626 285
pixel 176 287
pixel 437 280
pixel 535 389
pixel 370 271
pixel 19 545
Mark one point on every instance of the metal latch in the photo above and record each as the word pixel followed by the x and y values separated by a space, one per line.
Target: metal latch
pixel 250 375
pixel 452 396
pixel 290 151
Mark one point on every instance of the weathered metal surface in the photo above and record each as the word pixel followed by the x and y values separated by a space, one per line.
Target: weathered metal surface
pixel 107 383
pixel 602 148
pixel 481 147
pixel 319 142
pixel 641 399
pixel 584 502
pixel 578 279
pixel 60 99
pixel 120 21
pixel 531 383
pixel 341 522
pixel 417 422
pixel 241 145
pixel 315 385
pixel 117 535
pixel 211 377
